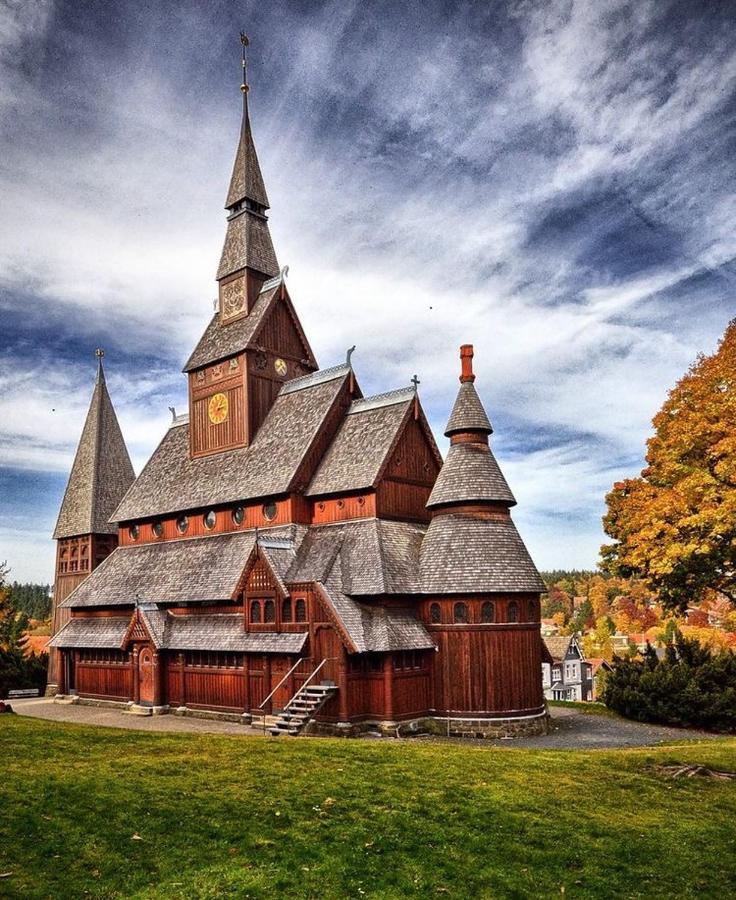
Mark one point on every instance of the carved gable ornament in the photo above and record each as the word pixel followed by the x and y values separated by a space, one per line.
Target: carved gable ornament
pixel 137 630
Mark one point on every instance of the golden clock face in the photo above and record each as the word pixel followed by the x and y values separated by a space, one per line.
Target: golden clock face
pixel 280 366
pixel 217 408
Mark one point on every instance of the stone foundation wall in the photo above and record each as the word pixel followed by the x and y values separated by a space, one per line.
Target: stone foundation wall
pixel 527 726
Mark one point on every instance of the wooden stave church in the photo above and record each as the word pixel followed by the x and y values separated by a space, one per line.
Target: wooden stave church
pixel 289 532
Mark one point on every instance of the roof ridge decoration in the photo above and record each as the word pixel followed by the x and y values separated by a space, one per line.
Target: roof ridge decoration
pixel 314 378
pixel 270 543
pixel 275 281
pixel 101 472
pixel 388 398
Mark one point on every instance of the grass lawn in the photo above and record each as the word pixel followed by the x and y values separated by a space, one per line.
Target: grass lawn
pixel 107 813
pixel 587 708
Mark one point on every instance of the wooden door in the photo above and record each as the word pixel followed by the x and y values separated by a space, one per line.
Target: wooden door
pixel 327 646
pixel 280 665
pixel 71 683
pixel 145 675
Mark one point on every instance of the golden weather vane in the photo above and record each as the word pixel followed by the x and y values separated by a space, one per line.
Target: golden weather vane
pixel 244 61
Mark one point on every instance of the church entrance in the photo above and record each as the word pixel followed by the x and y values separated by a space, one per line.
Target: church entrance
pixel 280 665
pixel 145 675
pixel 71 685
pixel 327 646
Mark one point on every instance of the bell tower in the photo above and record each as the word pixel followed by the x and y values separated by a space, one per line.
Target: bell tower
pixel 255 341
pixel 248 258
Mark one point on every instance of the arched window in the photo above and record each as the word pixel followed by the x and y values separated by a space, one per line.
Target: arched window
pixel 286 610
pixel 461 613
pixel 533 610
pixel 255 611
pixel 269 611
pixel 487 612
pixel 513 611
pixel 301 610
pixel 435 614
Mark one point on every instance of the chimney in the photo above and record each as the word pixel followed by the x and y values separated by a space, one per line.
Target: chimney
pixel 466 358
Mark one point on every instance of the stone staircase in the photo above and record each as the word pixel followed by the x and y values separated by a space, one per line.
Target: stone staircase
pixel 301 708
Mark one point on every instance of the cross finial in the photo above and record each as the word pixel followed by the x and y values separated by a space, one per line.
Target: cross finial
pixel 416 382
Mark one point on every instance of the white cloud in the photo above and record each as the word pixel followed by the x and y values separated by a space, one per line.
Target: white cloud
pixel 410 177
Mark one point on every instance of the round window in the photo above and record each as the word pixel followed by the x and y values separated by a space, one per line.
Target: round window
pixel 238 515
pixel 209 520
pixel 182 523
pixel 134 532
pixel 157 528
pixel 269 511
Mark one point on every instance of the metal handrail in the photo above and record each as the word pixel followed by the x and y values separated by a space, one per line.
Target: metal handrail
pixel 306 683
pixel 301 688
pixel 297 663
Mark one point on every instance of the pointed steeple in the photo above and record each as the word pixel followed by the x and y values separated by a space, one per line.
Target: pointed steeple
pixel 248 241
pixel 246 182
pixel 101 473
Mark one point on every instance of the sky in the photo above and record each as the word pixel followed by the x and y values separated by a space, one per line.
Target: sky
pixel 550 181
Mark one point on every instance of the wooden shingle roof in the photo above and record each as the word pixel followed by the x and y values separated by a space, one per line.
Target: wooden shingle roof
pixel 101 472
pixel 225 632
pixel 93 633
pixel 248 243
pixel 221 341
pixel 469 474
pixel 376 556
pixel 468 413
pixel 172 481
pixel 218 632
pixel 362 443
pixel 181 571
pixel 467 554
pixel 246 181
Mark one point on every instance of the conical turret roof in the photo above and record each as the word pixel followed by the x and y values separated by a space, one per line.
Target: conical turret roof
pixel 468 413
pixel 470 474
pixel 101 473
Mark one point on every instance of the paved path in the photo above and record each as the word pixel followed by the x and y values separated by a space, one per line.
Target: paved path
pixel 572 730
pixel 45 708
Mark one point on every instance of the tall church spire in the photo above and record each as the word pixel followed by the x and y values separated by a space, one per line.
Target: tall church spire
pixel 248 242
pixel 246 182
pixel 101 472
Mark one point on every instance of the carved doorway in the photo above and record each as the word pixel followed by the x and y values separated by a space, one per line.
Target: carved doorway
pixel 145 675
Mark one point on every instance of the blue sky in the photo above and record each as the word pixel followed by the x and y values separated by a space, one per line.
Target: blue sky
pixel 552 181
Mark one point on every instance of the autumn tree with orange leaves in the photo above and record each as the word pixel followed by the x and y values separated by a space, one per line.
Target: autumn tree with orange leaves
pixel 675 526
